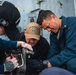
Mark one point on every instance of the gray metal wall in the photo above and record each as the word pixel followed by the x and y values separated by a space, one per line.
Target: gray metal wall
pixel 29 8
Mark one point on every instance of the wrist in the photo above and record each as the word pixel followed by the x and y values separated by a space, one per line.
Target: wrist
pixel 8 66
pixel 19 43
pixel 47 63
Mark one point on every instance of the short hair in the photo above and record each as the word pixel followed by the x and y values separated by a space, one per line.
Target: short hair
pixel 43 14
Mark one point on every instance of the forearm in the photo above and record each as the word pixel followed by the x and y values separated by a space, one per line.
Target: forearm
pixel 62 57
pixel 9 44
pixel 1 69
pixel 13 44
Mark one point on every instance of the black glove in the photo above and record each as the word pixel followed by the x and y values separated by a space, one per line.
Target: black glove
pixel 35 65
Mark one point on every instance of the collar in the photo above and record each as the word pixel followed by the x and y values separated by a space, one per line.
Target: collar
pixel 63 25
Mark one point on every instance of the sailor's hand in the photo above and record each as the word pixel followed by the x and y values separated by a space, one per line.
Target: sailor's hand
pixel 24 45
pixel 10 64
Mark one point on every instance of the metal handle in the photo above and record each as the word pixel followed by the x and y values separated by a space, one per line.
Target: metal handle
pixel 22 62
pixel 25 51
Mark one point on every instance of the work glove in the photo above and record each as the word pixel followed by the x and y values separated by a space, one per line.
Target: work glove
pixel 35 65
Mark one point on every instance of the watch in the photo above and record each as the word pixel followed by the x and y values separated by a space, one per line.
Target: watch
pixel 45 62
pixel 9 66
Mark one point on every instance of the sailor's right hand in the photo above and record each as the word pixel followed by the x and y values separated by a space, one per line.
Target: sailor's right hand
pixel 24 45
